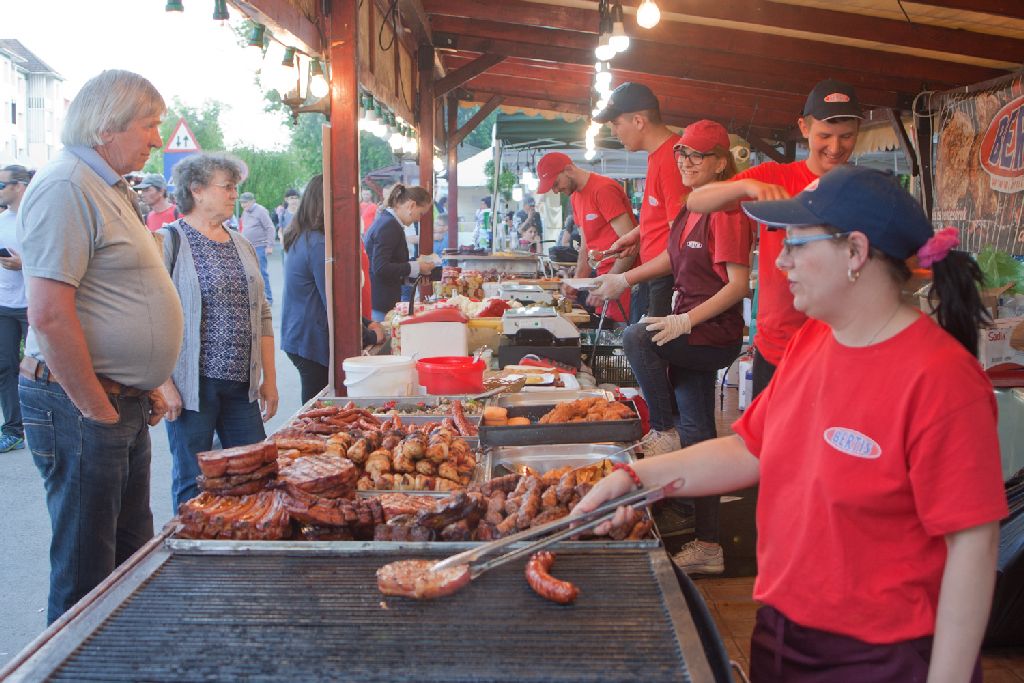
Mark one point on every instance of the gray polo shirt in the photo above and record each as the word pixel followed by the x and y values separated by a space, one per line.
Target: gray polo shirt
pixel 79 224
pixel 257 226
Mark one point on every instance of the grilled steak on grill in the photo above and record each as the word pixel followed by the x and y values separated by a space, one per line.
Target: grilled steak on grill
pixel 237 460
pixel 415 579
pixel 330 476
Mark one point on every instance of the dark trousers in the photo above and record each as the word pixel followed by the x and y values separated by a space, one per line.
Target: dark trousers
pixel 762 372
pixel 688 372
pixel 97 486
pixel 13 327
pixel 782 651
pixel 224 408
pixel 312 376
pixel 652 298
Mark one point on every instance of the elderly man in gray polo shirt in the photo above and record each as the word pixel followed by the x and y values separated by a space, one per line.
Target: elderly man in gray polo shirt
pixel 105 332
pixel 257 227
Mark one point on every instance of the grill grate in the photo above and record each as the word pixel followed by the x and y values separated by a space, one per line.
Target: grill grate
pixel 277 618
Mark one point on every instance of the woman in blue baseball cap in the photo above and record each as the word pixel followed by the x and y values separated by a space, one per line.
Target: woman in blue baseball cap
pixel 874 445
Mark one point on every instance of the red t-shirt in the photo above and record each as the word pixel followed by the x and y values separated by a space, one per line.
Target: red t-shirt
pixel 868 457
pixel 368 212
pixel 664 195
pixel 365 292
pixel 732 233
pixel 777 320
pixel 157 219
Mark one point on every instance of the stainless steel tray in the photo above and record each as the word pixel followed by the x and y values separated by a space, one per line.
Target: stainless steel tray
pixel 625 431
pixel 545 458
pixel 549 397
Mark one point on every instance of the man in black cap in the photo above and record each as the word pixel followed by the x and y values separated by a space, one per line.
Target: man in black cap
pixel 634 115
pixel 830 123
pixel 153 190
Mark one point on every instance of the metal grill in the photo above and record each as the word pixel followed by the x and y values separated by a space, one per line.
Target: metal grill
pixel 313 618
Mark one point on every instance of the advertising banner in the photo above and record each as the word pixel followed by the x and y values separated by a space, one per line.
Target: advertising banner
pixel 979 170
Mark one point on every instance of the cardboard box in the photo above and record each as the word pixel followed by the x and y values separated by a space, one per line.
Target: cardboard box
pixel 989 299
pixel 998 345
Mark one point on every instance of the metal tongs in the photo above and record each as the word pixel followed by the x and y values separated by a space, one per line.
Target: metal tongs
pixel 577 524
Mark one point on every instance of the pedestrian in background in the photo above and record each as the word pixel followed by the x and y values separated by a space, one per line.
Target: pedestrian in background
pixel 105 331
pixel 225 377
pixel 291 207
pixel 256 226
pixel 13 305
pixel 153 190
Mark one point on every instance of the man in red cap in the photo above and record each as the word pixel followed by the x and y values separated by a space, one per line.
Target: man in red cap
pixel 830 122
pixel 634 115
pixel 602 211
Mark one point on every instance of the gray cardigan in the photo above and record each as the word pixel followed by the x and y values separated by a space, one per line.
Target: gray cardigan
pixel 186 281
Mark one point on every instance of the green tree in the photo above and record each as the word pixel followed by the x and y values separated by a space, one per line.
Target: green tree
pixel 271 173
pixel 505 183
pixel 480 137
pixel 203 121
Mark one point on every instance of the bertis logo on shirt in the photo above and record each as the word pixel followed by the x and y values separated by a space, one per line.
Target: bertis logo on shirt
pixel 694 244
pixel 852 442
pixel 652 200
pixel 592 216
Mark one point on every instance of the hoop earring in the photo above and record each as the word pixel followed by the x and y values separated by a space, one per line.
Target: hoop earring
pixel 852 275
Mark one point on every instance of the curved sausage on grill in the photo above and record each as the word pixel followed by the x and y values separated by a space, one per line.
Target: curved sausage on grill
pixel 544 584
pixel 416 579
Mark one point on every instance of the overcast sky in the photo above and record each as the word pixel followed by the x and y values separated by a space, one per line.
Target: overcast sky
pixel 189 56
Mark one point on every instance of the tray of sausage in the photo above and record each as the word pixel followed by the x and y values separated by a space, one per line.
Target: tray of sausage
pixel 588 420
pixel 544 459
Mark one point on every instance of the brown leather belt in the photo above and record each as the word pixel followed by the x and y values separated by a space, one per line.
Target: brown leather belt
pixel 36 370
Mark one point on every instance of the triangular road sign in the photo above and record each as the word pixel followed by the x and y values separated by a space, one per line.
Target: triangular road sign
pixel 182 139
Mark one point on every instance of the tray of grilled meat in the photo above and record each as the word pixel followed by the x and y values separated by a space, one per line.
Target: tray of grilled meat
pixel 547 398
pixel 586 420
pixel 543 459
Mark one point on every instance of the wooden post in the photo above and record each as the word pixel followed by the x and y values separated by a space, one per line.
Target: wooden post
pixel 453 172
pixel 425 61
pixel 344 165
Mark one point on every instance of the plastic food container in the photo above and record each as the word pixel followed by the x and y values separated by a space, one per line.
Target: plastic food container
pixel 379 376
pixel 446 375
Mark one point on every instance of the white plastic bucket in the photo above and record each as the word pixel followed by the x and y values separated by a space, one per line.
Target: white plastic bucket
pixel 380 376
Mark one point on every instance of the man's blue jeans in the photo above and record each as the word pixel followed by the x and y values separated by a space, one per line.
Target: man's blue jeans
pixel 261 255
pixel 224 407
pixel 690 373
pixel 97 486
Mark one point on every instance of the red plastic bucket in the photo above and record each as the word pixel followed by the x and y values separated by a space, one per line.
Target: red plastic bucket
pixel 447 375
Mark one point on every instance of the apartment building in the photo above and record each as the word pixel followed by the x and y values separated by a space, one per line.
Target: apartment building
pixel 32 106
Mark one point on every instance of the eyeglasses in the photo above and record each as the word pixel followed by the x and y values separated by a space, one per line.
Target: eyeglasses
pixel 227 187
pixel 695 158
pixel 791 244
pixel 3 184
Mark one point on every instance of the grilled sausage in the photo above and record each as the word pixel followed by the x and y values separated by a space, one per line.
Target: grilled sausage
pixel 461 423
pixel 545 585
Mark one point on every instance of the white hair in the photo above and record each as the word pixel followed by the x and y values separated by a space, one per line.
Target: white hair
pixel 108 103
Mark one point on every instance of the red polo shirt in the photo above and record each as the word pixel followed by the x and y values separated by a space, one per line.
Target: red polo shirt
pixel 664 196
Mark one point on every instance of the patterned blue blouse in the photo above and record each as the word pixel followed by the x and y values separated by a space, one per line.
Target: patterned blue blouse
pixel 224 334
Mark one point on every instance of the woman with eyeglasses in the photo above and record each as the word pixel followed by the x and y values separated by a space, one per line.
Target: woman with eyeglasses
pixel 708 255
pixel 875 448
pixel 224 380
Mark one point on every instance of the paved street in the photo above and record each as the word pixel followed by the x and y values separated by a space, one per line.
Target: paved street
pixel 25 525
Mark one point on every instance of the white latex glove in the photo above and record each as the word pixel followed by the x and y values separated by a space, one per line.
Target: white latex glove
pixel 668 328
pixel 610 286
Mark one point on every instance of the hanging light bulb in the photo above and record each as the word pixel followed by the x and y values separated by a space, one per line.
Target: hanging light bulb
pixel 517 193
pixel 174 6
pixel 412 146
pixel 282 75
pixel 220 11
pixel 604 51
pixel 253 54
pixel 396 140
pixel 647 14
pixel 618 40
pixel 318 86
pixel 601 104
pixel 603 80
pixel 590 154
pixel 438 164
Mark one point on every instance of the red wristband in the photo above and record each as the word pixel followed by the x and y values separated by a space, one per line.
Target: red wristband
pixel 628 469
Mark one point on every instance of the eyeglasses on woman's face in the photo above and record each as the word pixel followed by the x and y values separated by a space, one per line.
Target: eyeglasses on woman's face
pixel 230 188
pixel 792 244
pixel 694 157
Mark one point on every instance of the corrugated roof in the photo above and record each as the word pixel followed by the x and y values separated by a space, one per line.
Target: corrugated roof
pixel 28 61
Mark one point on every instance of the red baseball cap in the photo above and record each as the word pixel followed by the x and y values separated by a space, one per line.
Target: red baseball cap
pixel 704 135
pixel 548 168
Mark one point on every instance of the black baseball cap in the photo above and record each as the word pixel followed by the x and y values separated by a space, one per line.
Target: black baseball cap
pixel 626 99
pixel 854 198
pixel 832 99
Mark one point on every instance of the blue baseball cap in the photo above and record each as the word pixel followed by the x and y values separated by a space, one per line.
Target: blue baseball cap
pixel 854 198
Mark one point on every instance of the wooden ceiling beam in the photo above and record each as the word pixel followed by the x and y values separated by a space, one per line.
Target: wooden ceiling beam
pixel 414 18
pixel 465 72
pixel 287 22
pixel 706 67
pixel 1001 8
pixel 459 135
pixel 694 43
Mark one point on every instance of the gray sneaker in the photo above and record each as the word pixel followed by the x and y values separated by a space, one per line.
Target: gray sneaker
pixel 696 558
pixel 10 442
pixel 656 443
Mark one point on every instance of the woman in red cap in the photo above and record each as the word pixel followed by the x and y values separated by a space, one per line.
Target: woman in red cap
pixel 708 256
pixel 875 448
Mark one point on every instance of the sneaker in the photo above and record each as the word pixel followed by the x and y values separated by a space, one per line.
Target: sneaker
pixel 10 442
pixel 697 558
pixel 656 442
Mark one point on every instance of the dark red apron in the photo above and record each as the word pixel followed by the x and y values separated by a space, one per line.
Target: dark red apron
pixel 696 281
